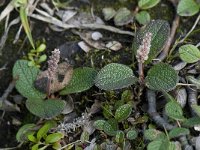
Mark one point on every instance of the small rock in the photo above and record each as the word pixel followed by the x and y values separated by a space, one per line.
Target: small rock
pixel 66 15
pixel 18 99
pixel 181 97
pixel 114 45
pixel 84 46
pixel 197 128
pixel 96 36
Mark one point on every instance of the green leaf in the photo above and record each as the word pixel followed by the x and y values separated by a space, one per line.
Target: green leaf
pixel 42 132
pixel 173 146
pixel 107 111
pixel 162 77
pixel 189 53
pixel 146 4
pixel 56 146
pixel 152 134
pixel 176 132
pixel 32 138
pixel 35 147
pixel 174 110
pixel 143 17
pixel 82 79
pixel 123 112
pixel 158 145
pixel 191 122
pixel 25 77
pixel 24 20
pixel 187 8
pixel 41 48
pixel 127 96
pixel 109 129
pixel 24 131
pixel 45 108
pixel 42 58
pixel 84 136
pixel 115 76
pixel 113 122
pixel 99 124
pixel 196 109
pixel 131 134
pixel 54 137
pixel 160 30
pixel 119 137
pixel 123 16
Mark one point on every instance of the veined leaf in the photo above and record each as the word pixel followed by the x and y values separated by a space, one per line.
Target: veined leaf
pixel 45 108
pixel 162 77
pixel 115 76
pixel 160 30
pixel 187 8
pixel 25 77
pixel 82 79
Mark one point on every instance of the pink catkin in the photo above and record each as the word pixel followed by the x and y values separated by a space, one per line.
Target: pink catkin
pixel 143 50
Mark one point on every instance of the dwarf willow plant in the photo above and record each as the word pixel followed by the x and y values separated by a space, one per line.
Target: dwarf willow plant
pixel 147 45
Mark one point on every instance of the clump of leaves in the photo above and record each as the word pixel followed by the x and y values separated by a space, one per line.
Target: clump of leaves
pixel 25 77
pixel 40 138
pixel 35 57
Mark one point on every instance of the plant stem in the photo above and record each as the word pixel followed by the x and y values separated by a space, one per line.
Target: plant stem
pixel 141 73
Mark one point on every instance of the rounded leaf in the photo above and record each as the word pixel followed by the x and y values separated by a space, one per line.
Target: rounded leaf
pixel 162 77
pixel 160 30
pixel 174 110
pixel 45 108
pixel 131 134
pixel 123 112
pixel 189 53
pixel 123 16
pixel 158 145
pixel 196 109
pixel 143 17
pixel 109 129
pixel 187 8
pixel 25 77
pixel 114 76
pixel 108 13
pixel 54 137
pixel 119 137
pixel 85 136
pixel 176 132
pixel 151 134
pixel 191 122
pixel 99 124
pixel 41 48
pixel 42 58
pixel 146 4
pixel 82 79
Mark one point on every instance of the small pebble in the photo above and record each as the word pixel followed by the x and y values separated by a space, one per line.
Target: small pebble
pixel 84 46
pixel 114 45
pixel 96 36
